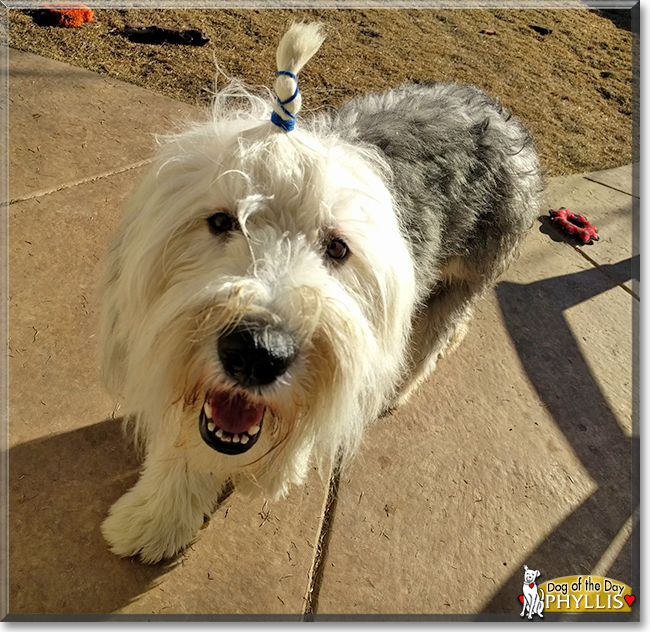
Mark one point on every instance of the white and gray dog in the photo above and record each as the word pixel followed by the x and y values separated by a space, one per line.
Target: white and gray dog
pixel 272 291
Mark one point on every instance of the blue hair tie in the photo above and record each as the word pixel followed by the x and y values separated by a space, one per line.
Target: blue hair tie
pixel 288 124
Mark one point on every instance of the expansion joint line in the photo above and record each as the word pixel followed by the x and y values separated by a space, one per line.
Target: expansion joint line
pixel 70 185
pixel 322 544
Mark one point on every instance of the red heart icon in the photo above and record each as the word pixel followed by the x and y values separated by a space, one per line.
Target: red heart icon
pixel 530 585
pixel 521 598
pixel 630 599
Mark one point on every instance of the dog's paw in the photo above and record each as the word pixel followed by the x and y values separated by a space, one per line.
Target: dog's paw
pixel 148 529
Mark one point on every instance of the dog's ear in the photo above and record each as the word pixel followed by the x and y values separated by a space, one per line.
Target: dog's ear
pixel 525 567
pixel 537 573
pixel 120 290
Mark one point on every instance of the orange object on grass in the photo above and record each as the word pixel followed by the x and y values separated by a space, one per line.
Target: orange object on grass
pixel 69 15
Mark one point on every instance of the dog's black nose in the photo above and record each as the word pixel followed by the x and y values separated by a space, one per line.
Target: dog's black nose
pixel 255 354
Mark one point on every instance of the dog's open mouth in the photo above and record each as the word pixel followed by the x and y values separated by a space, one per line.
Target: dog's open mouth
pixel 230 423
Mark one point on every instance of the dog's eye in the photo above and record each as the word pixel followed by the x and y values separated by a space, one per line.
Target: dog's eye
pixel 221 223
pixel 337 249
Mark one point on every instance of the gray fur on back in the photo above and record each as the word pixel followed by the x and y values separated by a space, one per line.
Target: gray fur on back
pixel 465 177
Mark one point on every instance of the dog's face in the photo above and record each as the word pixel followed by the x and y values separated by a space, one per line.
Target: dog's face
pixel 259 287
pixel 530 575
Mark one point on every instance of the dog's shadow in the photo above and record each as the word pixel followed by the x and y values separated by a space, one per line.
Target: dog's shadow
pixel 61 488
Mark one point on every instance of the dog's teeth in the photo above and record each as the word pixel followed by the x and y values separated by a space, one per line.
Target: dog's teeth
pixel 254 430
pixel 219 433
pixel 244 438
pixel 235 438
pixel 211 426
pixel 226 437
pixel 207 409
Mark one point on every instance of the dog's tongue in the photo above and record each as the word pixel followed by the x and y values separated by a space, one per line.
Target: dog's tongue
pixel 235 413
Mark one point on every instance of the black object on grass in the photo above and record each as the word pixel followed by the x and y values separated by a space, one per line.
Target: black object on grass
pixel 164 35
pixel 540 29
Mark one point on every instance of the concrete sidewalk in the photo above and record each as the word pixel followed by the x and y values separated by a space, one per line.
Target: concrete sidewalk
pixel 519 450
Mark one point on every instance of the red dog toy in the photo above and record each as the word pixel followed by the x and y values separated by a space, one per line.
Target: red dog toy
pixel 576 225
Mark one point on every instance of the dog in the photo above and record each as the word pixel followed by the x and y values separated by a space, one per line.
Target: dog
pixel 533 596
pixel 279 282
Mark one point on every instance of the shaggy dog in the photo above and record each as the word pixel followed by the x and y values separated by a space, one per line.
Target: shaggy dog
pixel 272 291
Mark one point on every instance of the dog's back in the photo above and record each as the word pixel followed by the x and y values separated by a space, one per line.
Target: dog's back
pixel 466 178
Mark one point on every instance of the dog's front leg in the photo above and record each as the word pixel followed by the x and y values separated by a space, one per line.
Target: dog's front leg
pixel 162 513
pixel 523 610
pixel 533 605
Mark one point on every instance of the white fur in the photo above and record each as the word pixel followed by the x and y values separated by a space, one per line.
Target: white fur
pixel 171 288
pixel 296 48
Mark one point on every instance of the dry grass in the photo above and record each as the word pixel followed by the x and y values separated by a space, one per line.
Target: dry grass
pixel 572 87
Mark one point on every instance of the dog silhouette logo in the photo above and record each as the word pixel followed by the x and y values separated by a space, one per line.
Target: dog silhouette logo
pixel 532 598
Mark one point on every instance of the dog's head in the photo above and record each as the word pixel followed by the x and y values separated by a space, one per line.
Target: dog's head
pixel 258 286
pixel 530 575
